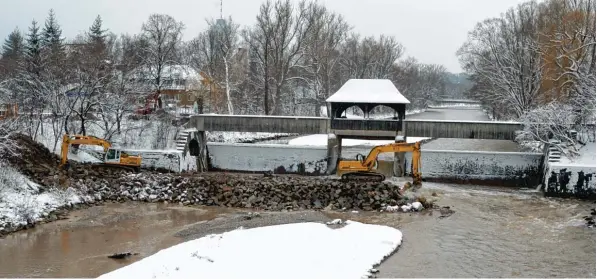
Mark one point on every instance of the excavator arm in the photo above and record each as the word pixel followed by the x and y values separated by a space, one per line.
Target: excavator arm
pixel 67 140
pixel 365 166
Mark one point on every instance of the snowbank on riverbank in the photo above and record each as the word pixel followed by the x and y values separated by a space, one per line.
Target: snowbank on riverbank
pixel 242 137
pixel 24 202
pixel 586 157
pixel 302 250
pixel 322 140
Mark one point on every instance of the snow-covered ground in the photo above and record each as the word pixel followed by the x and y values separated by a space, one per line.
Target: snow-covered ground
pixel 302 250
pixel 234 137
pixel 586 157
pixel 23 202
pixel 322 140
pixel 136 134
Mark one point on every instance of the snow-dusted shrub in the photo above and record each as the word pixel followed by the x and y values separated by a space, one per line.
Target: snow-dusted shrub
pixel 11 182
pixel 553 121
pixel 162 136
pixel 27 207
pixel 10 178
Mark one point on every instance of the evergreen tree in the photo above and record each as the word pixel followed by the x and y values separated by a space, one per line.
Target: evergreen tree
pixel 96 33
pixel 33 48
pixel 97 37
pixel 13 47
pixel 52 33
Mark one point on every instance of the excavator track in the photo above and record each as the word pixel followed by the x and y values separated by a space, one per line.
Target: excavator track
pixel 363 176
pixel 114 166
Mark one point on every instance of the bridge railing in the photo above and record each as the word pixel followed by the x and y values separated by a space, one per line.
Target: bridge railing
pixel 462 129
pixel 366 124
pixel 260 123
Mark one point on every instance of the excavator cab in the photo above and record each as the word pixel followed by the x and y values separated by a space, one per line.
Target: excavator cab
pixel 112 156
pixel 119 157
pixel 361 158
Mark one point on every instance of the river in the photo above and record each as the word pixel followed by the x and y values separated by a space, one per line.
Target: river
pixel 494 232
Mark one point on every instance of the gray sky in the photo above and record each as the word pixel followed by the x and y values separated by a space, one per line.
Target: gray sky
pixel 430 30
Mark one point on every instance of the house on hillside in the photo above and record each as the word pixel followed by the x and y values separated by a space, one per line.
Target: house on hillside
pixel 180 85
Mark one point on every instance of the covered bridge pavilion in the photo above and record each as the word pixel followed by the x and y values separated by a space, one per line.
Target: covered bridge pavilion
pixel 366 94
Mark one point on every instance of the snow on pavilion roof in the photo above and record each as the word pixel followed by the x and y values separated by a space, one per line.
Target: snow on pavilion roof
pixel 368 91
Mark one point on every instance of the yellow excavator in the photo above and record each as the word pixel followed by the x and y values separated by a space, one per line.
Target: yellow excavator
pixel 363 167
pixel 113 157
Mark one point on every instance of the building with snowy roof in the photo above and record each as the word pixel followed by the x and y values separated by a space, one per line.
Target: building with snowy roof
pixel 366 94
pixel 179 84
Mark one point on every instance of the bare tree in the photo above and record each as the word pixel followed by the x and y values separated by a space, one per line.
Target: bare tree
pixel 277 40
pixel 503 57
pixel 259 38
pixel 228 32
pixel 370 57
pixel 567 45
pixel 322 54
pixel 163 37
pixel 213 52
pixel 419 83
pixel 119 93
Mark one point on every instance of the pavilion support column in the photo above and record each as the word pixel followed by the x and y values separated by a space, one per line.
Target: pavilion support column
pixel 334 153
pixel 399 160
pixel 202 165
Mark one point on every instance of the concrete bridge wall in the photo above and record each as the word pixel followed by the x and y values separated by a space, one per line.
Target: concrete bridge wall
pixel 480 167
pixel 563 180
pixel 307 160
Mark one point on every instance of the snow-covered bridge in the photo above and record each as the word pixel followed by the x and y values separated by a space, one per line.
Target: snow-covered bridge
pixel 366 95
pixel 358 128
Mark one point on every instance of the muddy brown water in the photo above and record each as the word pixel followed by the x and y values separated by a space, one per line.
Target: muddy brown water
pixel 494 232
pixel 79 246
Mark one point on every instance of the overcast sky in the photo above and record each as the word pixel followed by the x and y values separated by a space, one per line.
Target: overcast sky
pixel 430 30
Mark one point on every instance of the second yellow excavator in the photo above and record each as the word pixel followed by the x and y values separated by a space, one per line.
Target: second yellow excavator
pixel 363 167
pixel 113 157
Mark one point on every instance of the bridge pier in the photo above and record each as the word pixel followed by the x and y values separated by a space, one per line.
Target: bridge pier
pixel 399 160
pixel 334 153
pixel 201 139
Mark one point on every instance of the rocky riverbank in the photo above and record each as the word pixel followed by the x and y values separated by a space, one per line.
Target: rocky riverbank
pixel 95 184
pixel 276 193
pixel 244 191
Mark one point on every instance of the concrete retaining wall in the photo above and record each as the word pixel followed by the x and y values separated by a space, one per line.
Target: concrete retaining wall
pixel 486 168
pixel 159 159
pixel 479 167
pixel 277 158
pixel 570 181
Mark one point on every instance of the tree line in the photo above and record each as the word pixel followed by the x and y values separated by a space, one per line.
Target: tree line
pixel 536 63
pixel 287 62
